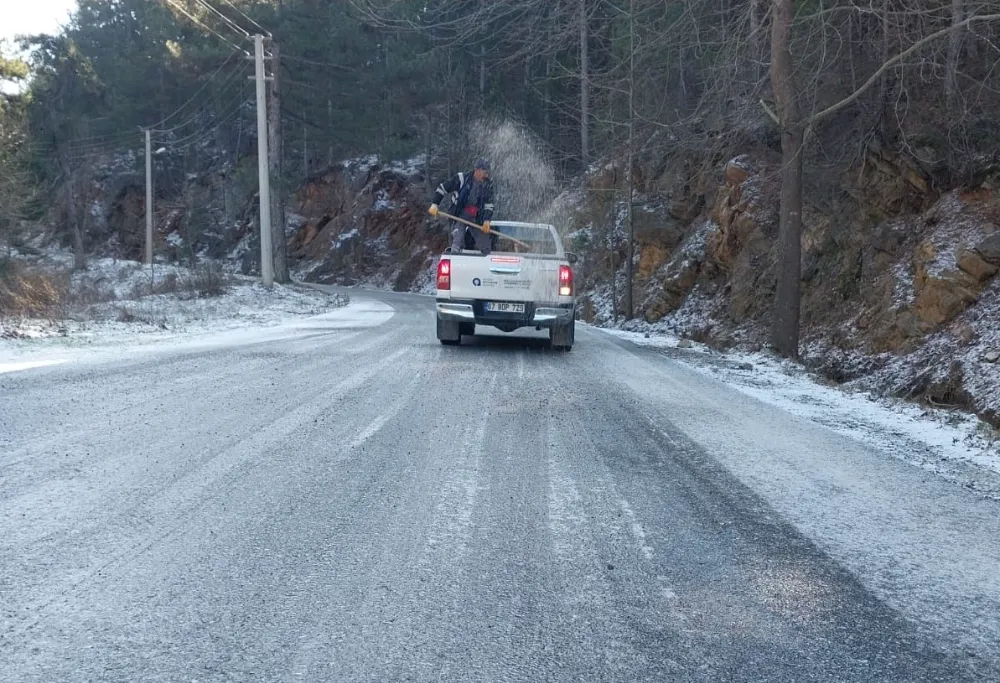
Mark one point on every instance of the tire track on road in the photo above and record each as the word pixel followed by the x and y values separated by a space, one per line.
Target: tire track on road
pixel 181 496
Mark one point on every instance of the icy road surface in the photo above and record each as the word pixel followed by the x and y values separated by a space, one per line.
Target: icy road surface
pixel 345 499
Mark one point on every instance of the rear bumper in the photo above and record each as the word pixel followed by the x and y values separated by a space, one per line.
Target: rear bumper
pixel 535 315
pixel 462 313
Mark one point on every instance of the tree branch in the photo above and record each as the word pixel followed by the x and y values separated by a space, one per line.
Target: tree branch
pixel 770 112
pixel 832 109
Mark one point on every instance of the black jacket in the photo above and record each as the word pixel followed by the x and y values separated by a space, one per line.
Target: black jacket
pixel 459 187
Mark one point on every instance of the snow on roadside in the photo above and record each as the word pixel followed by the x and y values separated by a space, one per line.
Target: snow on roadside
pixel 952 444
pixel 123 316
pixel 352 316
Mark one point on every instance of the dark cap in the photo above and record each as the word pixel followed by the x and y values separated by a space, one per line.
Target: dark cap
pixel 482 163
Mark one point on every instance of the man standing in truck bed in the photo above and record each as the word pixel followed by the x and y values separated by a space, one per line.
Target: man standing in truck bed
pixel 472 199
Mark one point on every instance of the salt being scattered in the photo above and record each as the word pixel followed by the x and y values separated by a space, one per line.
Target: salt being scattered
pixel 524 181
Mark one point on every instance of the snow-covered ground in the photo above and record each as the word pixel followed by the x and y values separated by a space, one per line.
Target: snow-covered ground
pixel 353 316
pixel 111 306
pixel 953 444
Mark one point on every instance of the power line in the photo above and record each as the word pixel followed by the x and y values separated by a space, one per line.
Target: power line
pixel 241 100
pixel 194 117
pixel 75 155
pixel 244 15
pixel 80 143
pixel 78 150
pixel 197 92
pixel 203 135
pixel 233 24
pixel 303 60
pixel 210 30
pixel 106 136
pixel 209 133
pixel 84 141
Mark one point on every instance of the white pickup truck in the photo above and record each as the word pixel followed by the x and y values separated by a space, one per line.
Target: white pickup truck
pixel 516 285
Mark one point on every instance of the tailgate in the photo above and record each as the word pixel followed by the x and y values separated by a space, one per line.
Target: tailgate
pixel 505 277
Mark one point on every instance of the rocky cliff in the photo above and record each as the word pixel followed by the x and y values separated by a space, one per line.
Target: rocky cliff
pixel 364 223
pixel 899 280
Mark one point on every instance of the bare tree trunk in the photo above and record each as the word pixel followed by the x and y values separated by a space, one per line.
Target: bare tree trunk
pixel 305 151
pixel 329 144
pixel 386 106
pixel 954 52
pixel 785 325
pixel 584 87
pixel 73 216
pixel 756 39
pixel 682 86
pixel 482 67
pixel 187 195
pixel 547 125
pixel 630 250
pixel 448 136
pixel 482 74
pixel 885 54
pixel 461 145
pixel 278 240
pixel 428 175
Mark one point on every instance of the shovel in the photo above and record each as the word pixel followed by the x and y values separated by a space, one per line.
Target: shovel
pixel 479 227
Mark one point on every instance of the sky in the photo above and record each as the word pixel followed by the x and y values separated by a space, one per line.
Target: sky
pixel 33 16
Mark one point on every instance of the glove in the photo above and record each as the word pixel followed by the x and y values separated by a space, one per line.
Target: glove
pixel 433 210
pixel 486 227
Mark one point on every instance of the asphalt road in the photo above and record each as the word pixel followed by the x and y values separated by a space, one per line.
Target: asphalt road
pixel 353 501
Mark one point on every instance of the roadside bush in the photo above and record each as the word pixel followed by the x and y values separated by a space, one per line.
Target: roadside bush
pixel 202 282
pixel 136 313
pixel 169 284
pixel 208 280
pixel 82 293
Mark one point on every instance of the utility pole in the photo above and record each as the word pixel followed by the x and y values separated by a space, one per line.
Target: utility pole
pixel 149 199
pixel 275 156
pixel 264 189
pixel 629 303
pixel 584 87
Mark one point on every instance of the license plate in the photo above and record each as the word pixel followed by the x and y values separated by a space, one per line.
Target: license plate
pixel 503 307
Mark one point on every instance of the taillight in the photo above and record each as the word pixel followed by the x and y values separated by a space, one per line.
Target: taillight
pixel 444 274
pixel 565 281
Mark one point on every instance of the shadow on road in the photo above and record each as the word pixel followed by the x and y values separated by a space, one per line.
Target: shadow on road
pixel 508 342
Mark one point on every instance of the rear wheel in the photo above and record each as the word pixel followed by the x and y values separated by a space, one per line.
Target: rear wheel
pixel 467 329
pixel 562 337
pixel 449 332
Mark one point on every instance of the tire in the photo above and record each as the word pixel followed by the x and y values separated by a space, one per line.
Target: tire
pixel 562 337
pixel 449 333
pixel 467 329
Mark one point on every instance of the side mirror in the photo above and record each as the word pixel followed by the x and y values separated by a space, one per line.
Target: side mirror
pixel 571 257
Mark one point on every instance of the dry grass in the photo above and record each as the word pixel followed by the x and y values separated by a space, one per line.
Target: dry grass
pixel 205 281
pixel 30 294
pixel 29 291
pixel 85 293
pixel 136 312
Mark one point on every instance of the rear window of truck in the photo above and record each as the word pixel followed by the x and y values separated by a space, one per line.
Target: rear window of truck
pixel 539 240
